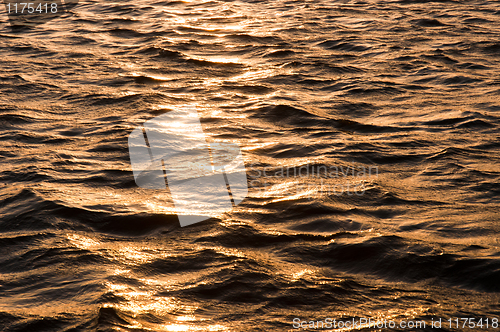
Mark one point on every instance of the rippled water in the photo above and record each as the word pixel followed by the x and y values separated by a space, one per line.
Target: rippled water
pixel 409 89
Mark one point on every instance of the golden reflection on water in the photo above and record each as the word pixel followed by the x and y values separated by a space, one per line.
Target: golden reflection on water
pixel 136 301
pixel 139 303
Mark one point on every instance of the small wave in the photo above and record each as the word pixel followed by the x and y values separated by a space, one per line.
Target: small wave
pixel 428 23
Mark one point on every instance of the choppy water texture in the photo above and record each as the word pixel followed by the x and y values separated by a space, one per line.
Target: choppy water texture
pixel 409 87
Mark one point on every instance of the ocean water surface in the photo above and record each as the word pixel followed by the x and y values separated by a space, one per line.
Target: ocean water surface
pixel 371 136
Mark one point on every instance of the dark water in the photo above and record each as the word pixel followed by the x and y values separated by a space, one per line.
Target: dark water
pixel 407 89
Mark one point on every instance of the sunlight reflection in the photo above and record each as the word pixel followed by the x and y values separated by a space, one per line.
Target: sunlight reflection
pixel 144 300
pixel 82 242
pixel 186 318
pixel 297 275
pixel 176 327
